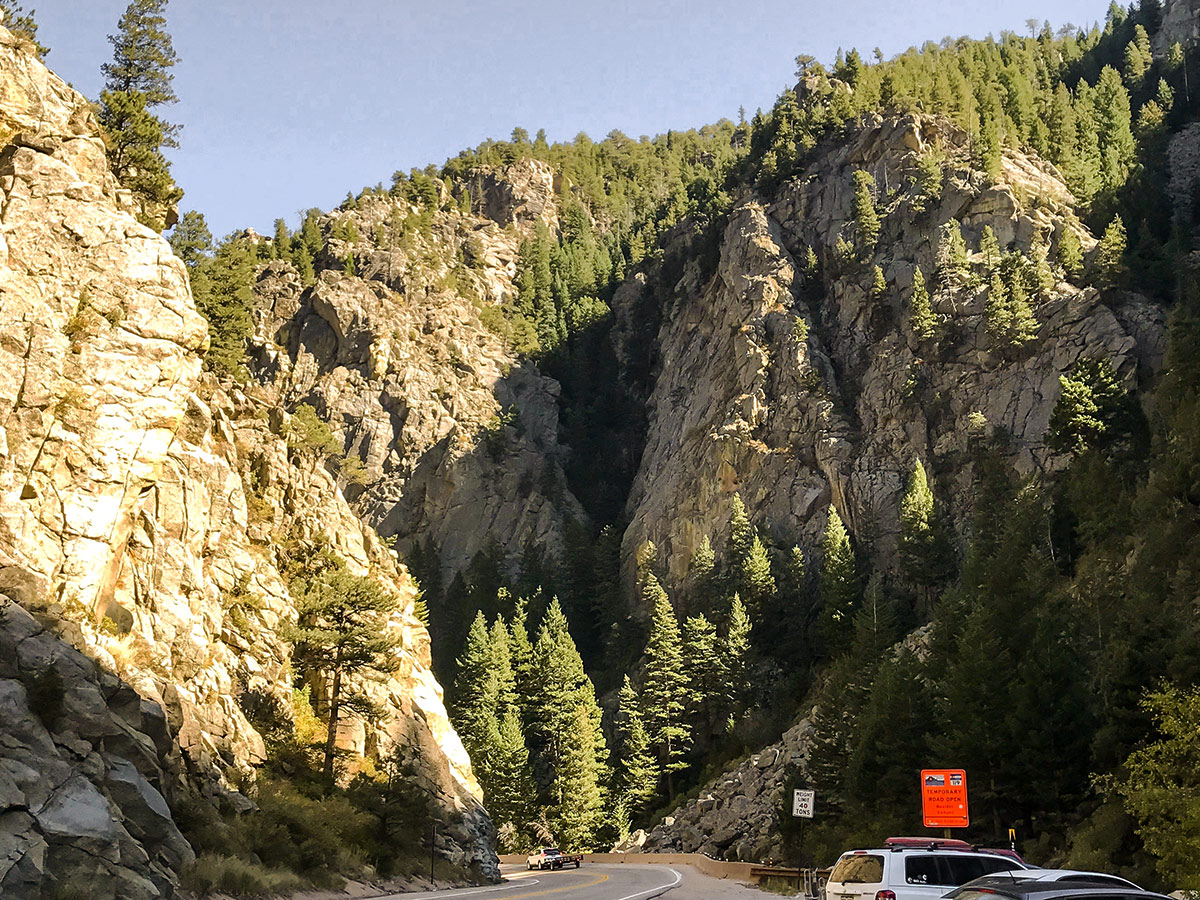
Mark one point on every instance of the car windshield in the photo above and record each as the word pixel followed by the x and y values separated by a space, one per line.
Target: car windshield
pixel 550 851
pixel 861 868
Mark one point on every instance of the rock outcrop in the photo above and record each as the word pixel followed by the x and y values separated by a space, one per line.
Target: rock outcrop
pixel 140 509
pixel 457 437
pixel 734 816
pixel 801 390
pixel 1180 25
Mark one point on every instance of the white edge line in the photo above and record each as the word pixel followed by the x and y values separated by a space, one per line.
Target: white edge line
pixel 519 882
pixel 654 891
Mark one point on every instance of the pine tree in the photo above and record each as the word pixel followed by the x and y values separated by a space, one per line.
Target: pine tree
pixel 1043 275
pixel 136 81
pixel 924 550
pixel 666 687
pixel 1110 262
pixel 577 782
pixel 703 669
pixel 281 244
pixel 1070 252
pixel 512 790
pixel 1114 129
pixel 520 652
pixel 638 772
pixel 476 690
pixel 191 240
pixel 741 533
pixel 1023 327
pixel 1135 64
pixel 921 316
pixel 996 309
pixel 952 258
pixel 23 25
pixel 754 578
pixel 501 667
pixel 989 249
pixel 703 577
pixel 878 285
pixel 341 633
pixel 866 218
pixel 737 656
pixel 839 580
pixel 561 687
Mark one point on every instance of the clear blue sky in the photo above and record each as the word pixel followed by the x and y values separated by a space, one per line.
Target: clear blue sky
pixel 287 104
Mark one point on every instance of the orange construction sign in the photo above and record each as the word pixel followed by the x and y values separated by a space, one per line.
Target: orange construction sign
pixel 944 798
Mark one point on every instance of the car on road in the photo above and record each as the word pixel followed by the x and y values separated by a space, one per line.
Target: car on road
pixel 908 869
pixel 1065 877
pixel 999 888
pixel 553 858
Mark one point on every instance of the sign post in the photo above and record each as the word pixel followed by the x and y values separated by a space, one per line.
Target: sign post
pixel 802 808
pixel 944 799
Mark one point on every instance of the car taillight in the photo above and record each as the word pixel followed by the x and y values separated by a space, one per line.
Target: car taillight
pixel 885 895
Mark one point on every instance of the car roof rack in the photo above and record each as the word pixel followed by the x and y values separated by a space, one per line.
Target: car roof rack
pixel 925 843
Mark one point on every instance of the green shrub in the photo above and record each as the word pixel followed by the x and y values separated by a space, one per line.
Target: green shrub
pixel 320 839
pixel 211 873
pixel 309 433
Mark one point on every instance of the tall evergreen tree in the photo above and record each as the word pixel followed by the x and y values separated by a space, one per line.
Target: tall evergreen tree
pixel 754 578
pixel 737 656
pixel 705 671
pixel 476 689
pixel 952 258
pixel 512 790
pixel 1110 260
pixel 561 688
pixel 191 240
pixel 665 692
pixel 702 576
pixel 137 81
pixel 578 783
pixel 501 667
pixel 520 654
pixel 921 316
pixel 839 581
pixel 741 533
pixel 866 218
pixel 341 634
pixel 925 552
pixel 637 769
pixel 1070 253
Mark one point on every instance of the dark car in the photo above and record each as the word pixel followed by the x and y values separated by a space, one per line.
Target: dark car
pixel 998 887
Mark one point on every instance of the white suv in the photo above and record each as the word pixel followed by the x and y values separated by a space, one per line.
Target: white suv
pixel 911 873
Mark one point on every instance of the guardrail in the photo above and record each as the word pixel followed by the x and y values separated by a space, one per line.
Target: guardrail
pixel 751 873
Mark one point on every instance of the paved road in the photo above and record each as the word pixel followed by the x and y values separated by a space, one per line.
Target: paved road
pixel 599 882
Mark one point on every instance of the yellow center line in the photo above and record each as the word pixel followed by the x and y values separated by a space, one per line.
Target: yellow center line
pixel 600 879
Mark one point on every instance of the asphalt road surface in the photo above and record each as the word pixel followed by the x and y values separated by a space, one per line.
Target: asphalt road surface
pixel 600 882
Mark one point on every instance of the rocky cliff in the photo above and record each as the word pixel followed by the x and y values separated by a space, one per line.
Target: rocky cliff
pixel 800 389
pixel 140 507
pixel 458 438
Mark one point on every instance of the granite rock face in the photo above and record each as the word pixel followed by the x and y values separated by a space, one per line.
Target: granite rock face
pixel 457 436
pixel 1180 24
pixel 141 508
pixel 802 390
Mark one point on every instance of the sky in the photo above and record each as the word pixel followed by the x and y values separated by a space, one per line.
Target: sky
pixel 288 104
